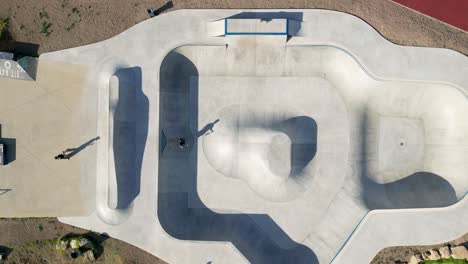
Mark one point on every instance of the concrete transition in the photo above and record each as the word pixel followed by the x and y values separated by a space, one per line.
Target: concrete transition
pixel 306 138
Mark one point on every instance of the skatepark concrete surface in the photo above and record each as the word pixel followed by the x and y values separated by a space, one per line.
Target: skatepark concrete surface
pixel 40 119
pixel 309 138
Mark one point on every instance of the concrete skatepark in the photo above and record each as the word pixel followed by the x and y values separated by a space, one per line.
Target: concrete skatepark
pixel 310 138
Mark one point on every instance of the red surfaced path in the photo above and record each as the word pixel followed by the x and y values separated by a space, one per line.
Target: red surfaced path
pixel 454 12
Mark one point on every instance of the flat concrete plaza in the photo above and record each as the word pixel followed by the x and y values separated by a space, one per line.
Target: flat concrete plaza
pixel 245 136
pixel 39 119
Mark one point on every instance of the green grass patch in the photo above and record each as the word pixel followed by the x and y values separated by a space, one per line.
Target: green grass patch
pixel 45 29
pixel 445 261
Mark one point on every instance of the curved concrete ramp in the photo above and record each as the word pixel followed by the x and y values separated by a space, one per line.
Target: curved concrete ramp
pixel 129 126
pixel 269 148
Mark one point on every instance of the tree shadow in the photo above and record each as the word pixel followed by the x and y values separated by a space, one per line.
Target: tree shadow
pixel 180 211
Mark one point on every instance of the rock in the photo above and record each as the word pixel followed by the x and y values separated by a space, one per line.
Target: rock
pixel 459 252
pixel 431 254
pixel 75 243
pixel 61 245
pixel 90 255
pixel 415 259
pixel 445 252
pixel 85 243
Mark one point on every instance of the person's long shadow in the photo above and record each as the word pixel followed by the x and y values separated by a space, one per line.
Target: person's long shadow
pixel 209 127
pixel 70 152
pixel 180 210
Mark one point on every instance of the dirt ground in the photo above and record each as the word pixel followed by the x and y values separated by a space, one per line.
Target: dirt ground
pixel 32 241
pixel 49 25
pixel 392 255
pixel 60 24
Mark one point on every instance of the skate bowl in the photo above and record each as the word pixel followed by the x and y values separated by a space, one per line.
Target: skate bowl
pixel 270 149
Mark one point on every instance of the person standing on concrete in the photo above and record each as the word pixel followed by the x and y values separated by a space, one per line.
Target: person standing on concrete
pixel 182 143
pixel 61 156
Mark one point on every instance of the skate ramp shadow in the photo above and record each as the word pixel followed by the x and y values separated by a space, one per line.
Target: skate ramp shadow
pixel 302 130
pixel 418 190
pixel 180 211
pixel 129 134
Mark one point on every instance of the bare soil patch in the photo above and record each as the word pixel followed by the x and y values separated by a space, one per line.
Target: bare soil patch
pixel 32 240
pixel 60 24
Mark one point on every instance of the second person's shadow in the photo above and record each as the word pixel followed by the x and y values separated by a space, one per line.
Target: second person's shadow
pixel 70 152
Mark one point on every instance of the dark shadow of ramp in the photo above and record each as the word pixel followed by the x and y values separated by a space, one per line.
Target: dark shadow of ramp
pixel 302 130
pixel 180 211
pixel 419 190
pixel 130 133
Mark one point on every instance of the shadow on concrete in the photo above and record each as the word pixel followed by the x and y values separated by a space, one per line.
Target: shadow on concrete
pixel 70 152
pixel 302 131
pixel 418 190
pixel 208 129
pixel 163 8
pixel 10 144
pixel 129 134
pixel 180 211
pixel 267 16
pixel 292 28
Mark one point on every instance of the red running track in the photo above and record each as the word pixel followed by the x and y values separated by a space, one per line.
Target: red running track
pixel 454 12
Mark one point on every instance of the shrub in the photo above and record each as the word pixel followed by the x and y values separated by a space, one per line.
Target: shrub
pixel 3 25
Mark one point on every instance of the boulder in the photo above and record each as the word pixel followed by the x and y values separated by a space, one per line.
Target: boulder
pixel 75 243
pixel 61 245
pixel 445 252
pixel 459 252
pixel 431 254
pixel 84 242
pixel 90 255
pixel 415 259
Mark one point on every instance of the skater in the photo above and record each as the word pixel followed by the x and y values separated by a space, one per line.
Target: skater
pixel 62 156
pixel 182 143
